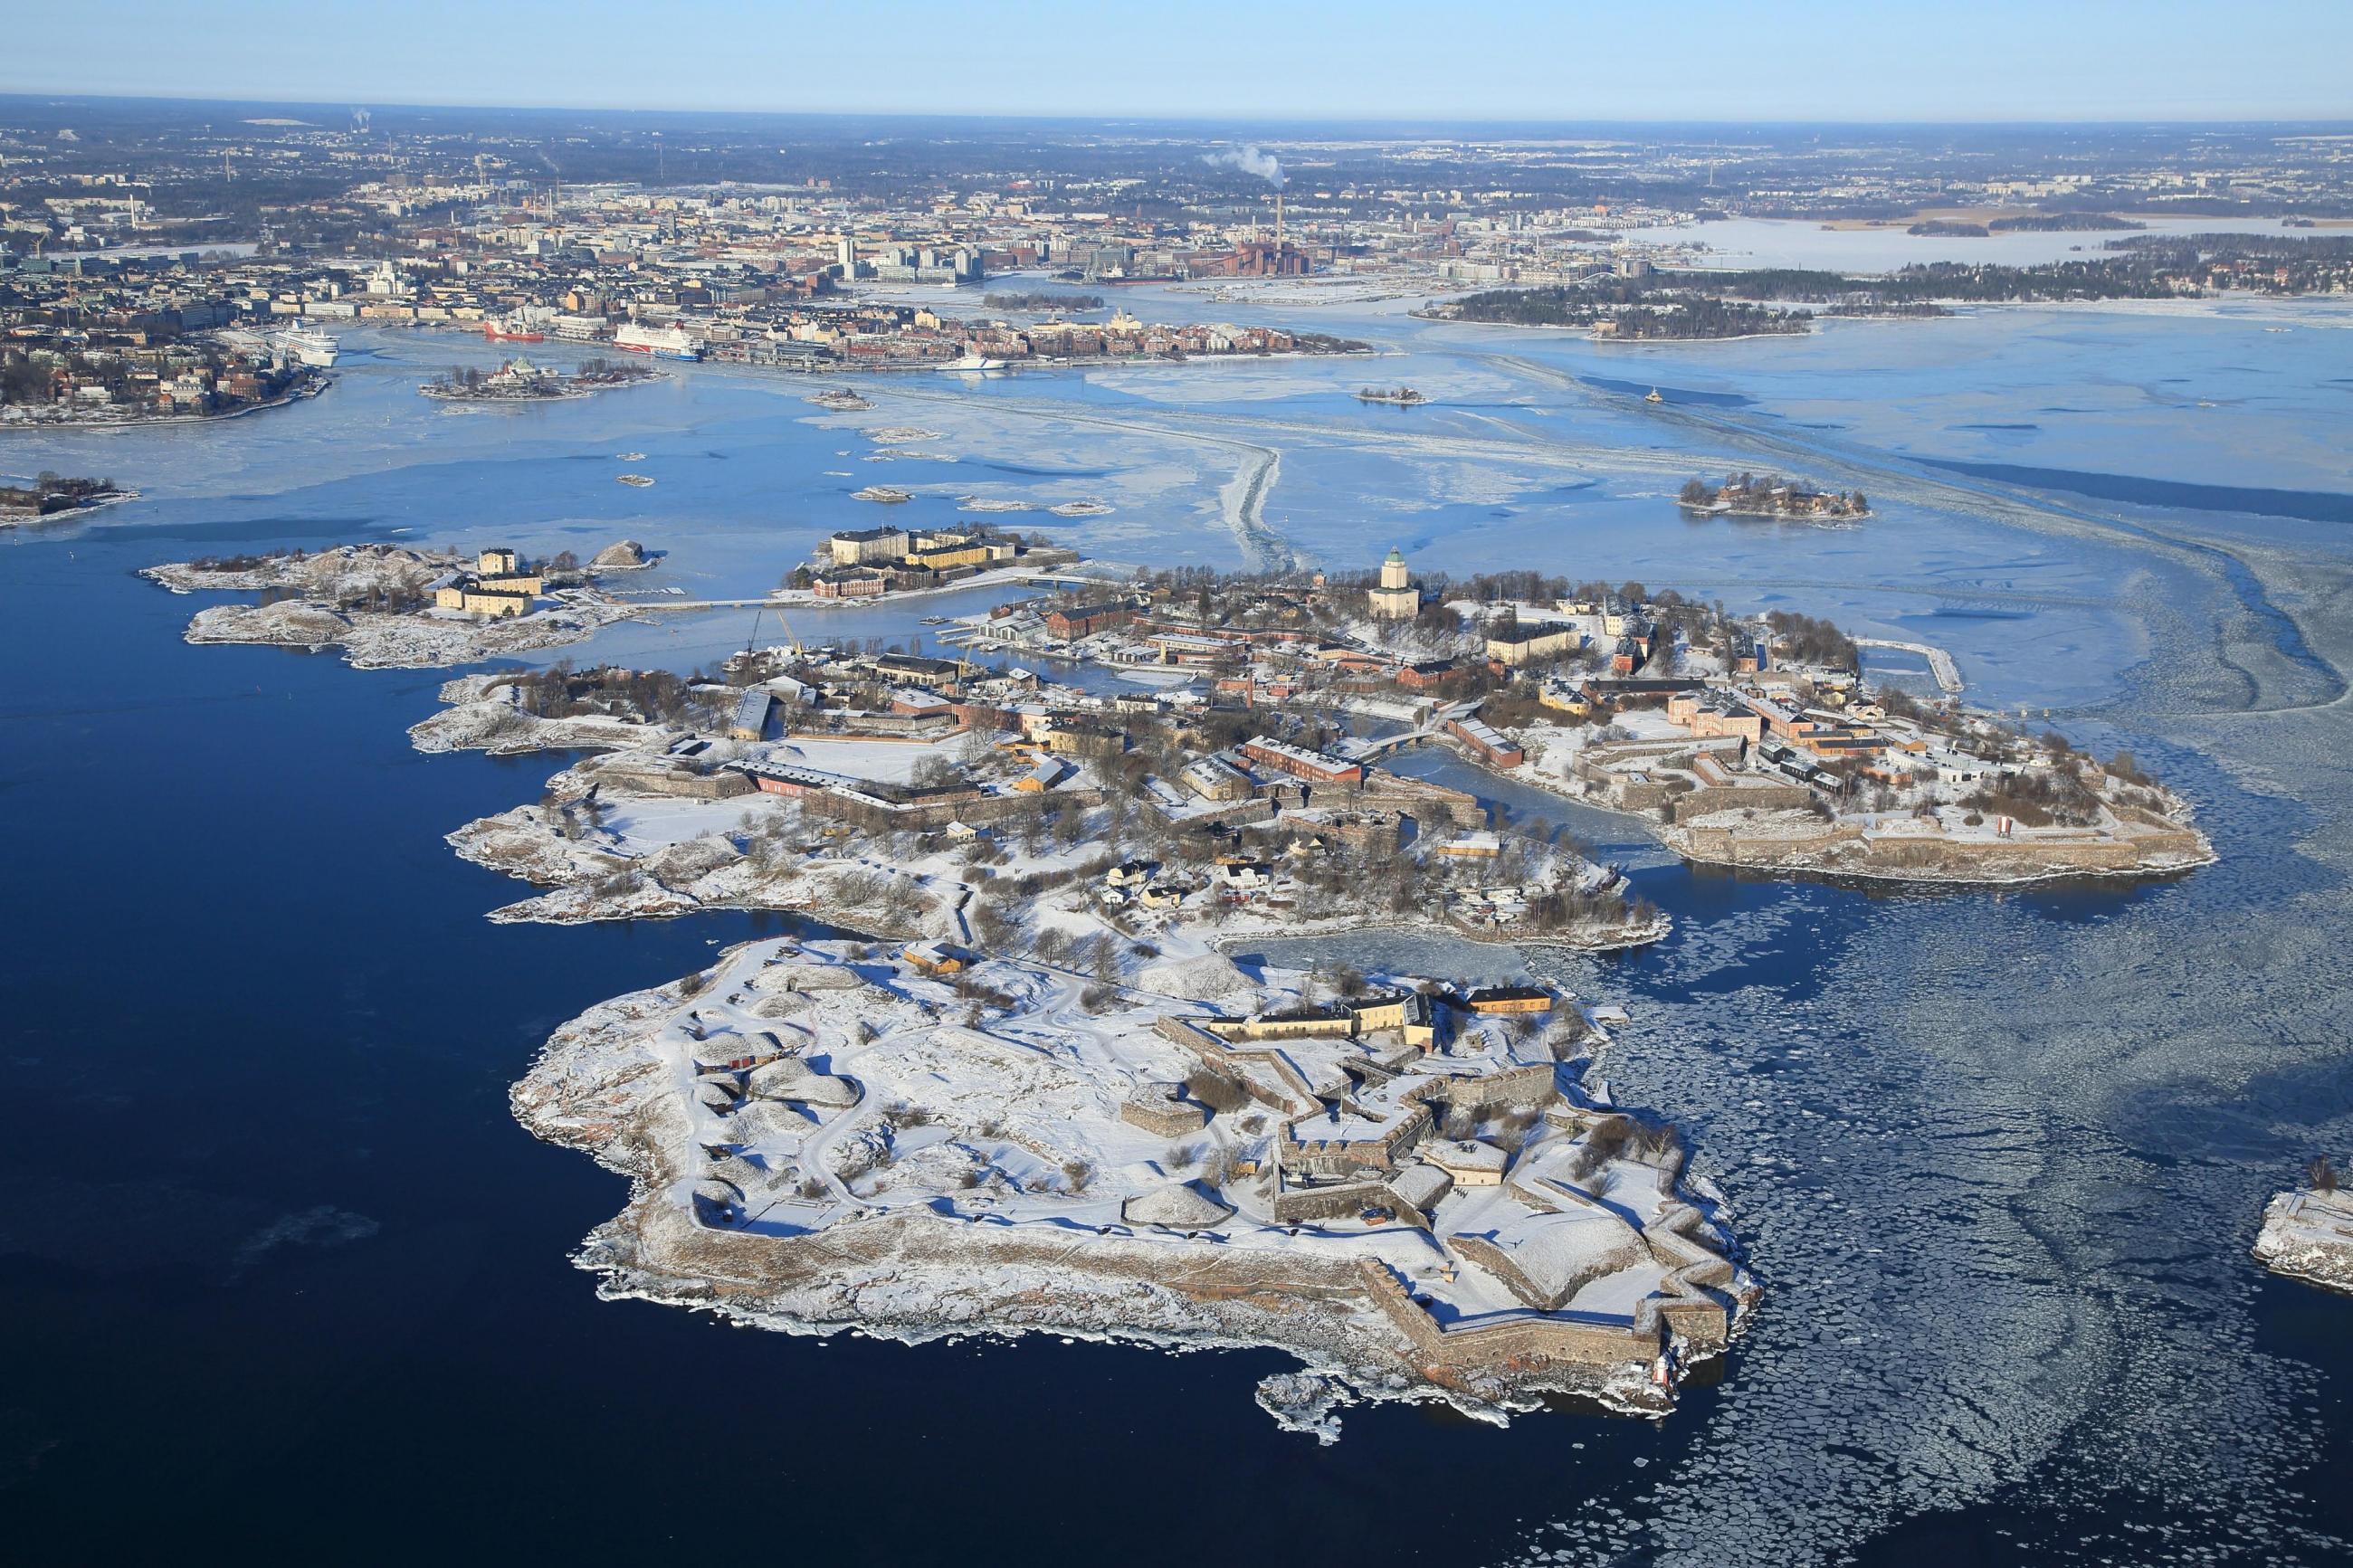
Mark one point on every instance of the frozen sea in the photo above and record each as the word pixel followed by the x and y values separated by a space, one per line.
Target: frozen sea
pixel 285 1273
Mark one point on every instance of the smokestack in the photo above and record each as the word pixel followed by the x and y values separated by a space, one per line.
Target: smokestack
pixel 1277 226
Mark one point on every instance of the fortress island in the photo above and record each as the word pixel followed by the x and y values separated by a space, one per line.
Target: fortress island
pixel 1408 1188
pixel 1019 1066
pixel 387 606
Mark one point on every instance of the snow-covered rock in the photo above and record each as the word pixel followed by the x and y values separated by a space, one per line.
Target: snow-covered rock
pixel 1179 1205
pixel 2309 1235
pixel 1207 976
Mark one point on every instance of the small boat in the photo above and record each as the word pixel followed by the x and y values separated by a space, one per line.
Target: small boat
pixel 639 480
pixel 1654 397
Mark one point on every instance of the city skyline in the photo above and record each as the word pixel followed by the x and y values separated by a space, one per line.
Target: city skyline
pixel 1820 61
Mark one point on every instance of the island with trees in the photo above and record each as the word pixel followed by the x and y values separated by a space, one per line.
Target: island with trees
pixel 1058 301
pixel 1702 305
pixel 521 381
pixel 1614 310
pixel 1756 742
pixel 53 494
pixel 1771 496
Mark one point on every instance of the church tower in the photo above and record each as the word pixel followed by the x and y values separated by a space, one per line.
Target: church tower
pixel 1397 598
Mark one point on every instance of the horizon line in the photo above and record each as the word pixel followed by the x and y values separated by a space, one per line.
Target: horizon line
pixel 344 104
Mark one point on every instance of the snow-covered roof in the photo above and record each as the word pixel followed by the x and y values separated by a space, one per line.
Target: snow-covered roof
pixel 1421 1184
pixel 1546 1258
pixel 1467 1155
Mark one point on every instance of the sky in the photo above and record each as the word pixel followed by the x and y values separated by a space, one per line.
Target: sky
pixel 1763 60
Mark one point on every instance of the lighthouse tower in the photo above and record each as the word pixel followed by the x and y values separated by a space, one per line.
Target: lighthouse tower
pixel 1397 598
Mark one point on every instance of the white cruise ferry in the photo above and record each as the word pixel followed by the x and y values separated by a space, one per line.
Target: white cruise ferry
pixel 306 346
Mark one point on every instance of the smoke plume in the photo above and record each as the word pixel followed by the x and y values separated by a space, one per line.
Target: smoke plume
pixel 1250 160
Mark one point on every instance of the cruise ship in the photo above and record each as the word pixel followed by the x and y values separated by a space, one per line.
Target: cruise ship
pixel 662 342
pixel 305 345
pixel 973 362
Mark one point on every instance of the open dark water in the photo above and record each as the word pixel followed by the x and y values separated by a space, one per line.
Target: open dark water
pixel 283 1275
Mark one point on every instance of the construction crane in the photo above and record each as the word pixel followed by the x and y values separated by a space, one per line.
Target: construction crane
pixel 752 642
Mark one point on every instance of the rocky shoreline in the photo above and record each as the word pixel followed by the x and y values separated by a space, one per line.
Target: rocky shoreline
pixel 1765 844
pixel 917 1272
pixel 1917 859
pixel 370 601
pixel 2308 1235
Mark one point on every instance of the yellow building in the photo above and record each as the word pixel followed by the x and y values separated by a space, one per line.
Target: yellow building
pixel 1564 699
pixel 937 958
pixel 858 546
pixel 497 561
pixel 1408 1013
pixel 1502 1001
pixel 1522 644
pixel 1479 846
pixel 476 601
pixel 952 555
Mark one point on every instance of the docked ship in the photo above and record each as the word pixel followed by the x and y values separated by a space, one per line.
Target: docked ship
pixel 306 346
pixel 662 342
pixel 510 330
pixel 973 362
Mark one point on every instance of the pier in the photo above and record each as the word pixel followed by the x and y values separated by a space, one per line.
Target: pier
pixel 1940 663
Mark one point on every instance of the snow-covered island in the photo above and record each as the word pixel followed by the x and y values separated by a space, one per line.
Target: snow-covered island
pixel 1413 1189
pixel 1020 1068
pixel 520 381
pixel 839 400
pixel 866 564
pixel 53 495
pixel 831 783
pixel 1747 742
pixel 1748 495
pixel 2307 1231
pixel 387 606
pixel 1012 1080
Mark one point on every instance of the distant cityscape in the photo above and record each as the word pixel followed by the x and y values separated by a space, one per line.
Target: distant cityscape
pixel 159 269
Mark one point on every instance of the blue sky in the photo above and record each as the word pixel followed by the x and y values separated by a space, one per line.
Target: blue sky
pixel 1640 59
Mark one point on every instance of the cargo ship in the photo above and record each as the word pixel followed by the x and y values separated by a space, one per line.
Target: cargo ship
pixel 662 342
